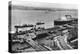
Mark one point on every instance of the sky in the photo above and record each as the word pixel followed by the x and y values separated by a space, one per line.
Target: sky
pixel 44 5
pixel 20 17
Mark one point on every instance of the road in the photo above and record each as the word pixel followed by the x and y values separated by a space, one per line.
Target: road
pixel 62 42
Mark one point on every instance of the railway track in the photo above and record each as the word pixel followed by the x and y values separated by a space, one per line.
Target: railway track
pixel 37 46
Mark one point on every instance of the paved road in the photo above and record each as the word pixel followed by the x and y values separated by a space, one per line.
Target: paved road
pixel 62 43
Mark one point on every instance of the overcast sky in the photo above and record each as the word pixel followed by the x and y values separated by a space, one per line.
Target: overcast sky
pixel 44 5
